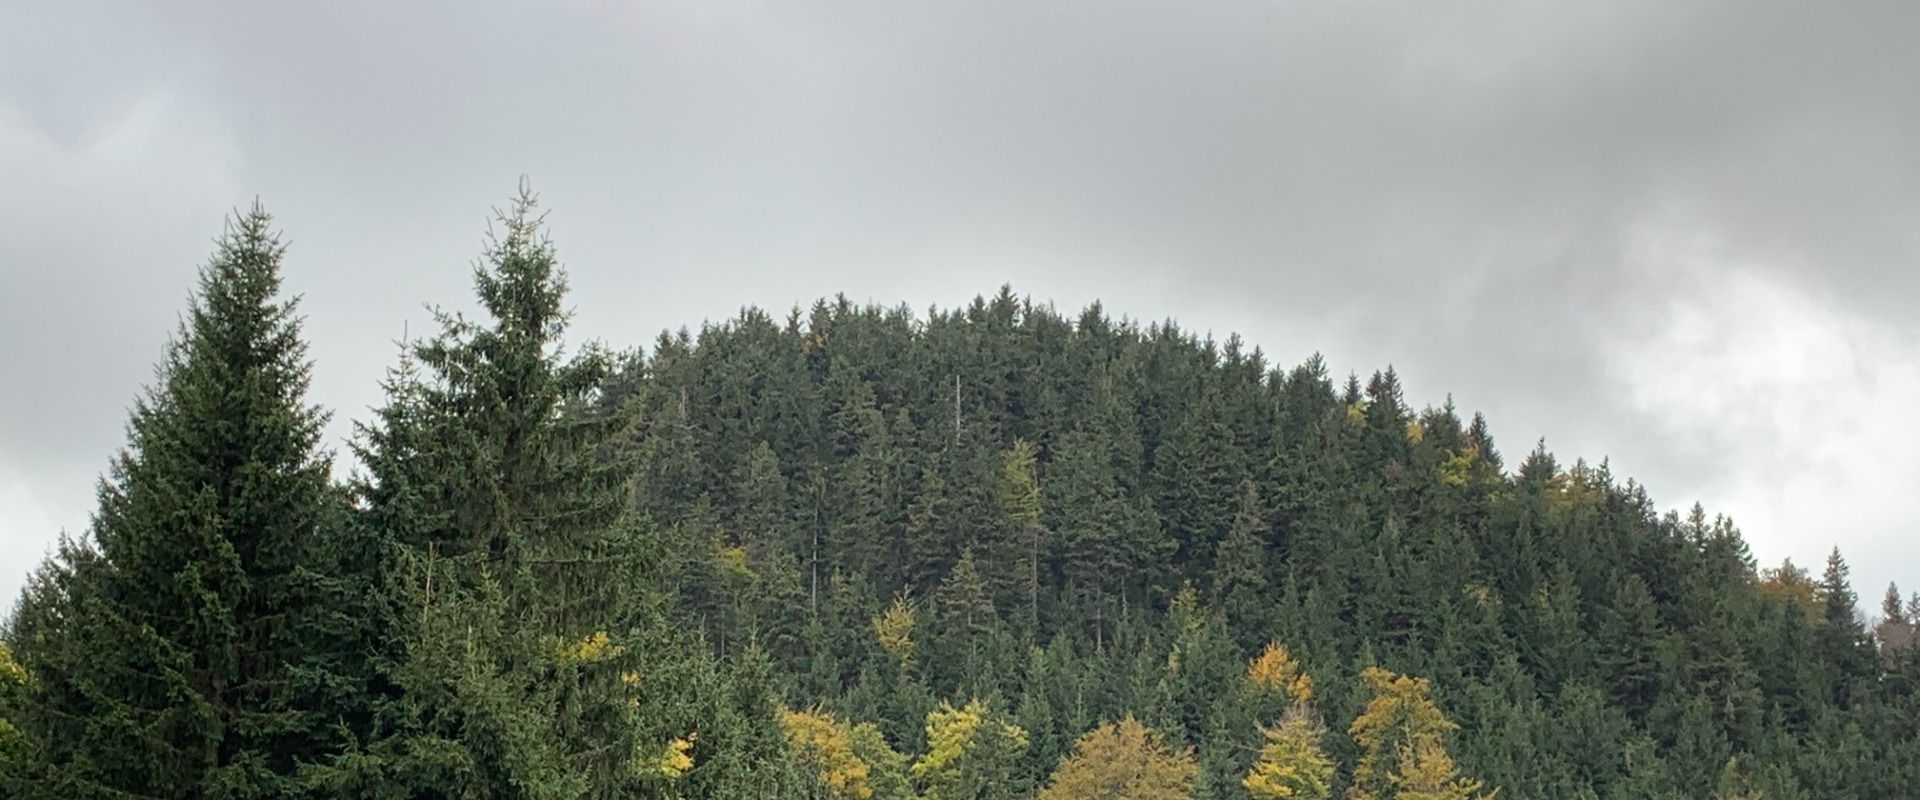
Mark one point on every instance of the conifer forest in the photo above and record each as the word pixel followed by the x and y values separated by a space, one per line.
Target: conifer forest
pixel 997 551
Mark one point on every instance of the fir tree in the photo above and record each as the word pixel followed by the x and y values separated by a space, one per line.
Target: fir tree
pixel 1241 567
pixel 1843 639
pixel 196 629
pixel 522 637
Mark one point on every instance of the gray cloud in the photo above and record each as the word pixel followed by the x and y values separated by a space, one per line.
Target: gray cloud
pixel 1517 204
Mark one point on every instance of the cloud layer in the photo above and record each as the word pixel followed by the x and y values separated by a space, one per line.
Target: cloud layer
pixel 1679 237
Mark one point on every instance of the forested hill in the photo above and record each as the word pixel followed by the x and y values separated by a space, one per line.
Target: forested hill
pixel 862 553
pixel 1084 518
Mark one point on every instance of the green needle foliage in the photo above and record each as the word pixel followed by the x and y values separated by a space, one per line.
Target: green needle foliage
pixel 182 647
pixel 992 551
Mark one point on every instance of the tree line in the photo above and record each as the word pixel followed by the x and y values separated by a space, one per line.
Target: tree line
pixel 863 553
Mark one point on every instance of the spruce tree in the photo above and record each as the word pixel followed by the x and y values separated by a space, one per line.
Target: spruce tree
pixel 1842 638
pixel 186 648
pixel 1240 570
pixel 524 634
pixel 1019 541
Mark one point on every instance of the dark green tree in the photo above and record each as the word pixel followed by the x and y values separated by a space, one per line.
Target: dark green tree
pixel 1241 567
pixel 523 629
pixel 189 647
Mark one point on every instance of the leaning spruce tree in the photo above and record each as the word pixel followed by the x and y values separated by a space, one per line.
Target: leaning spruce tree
pixel 170 649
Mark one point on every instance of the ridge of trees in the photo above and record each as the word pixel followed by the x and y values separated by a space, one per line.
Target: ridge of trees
pixel 866 554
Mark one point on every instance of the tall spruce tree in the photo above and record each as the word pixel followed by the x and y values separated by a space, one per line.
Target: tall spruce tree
pixel 182 650
pixel 1842 638
pixel 524 630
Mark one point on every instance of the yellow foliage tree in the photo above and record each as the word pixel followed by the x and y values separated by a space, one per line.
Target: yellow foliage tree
pixel 1122 760
pixel 11 673
pixel 970 755
pixel 1403 753
pixel 12 677
pixel 894 628
pixel 1458 466
pixel 594 647
pixel 822 745
pixel 733 563
pixel 1428 773
pixel 1291 762
pixel 1274 669
pixel 677 757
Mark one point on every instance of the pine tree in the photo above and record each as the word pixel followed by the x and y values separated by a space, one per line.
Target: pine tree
pixel 886 769
pixel 1895 631
pixel 1843 639
pixel 761 519
pixel 933 541
pixel 1098 524
pixel 524 637
pixel 965 604
pixel 1020 539
pixel 859 516
pixel 196 626
pixel 1194 480
pixel 972 754
pixel 1241 566
pixel 1628 633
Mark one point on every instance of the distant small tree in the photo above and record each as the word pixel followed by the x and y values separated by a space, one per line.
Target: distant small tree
pixel 1292 763
pixel 1895 631
pixel 1122 760
pixel 824 747
pixel 972 754
pixel 1403 754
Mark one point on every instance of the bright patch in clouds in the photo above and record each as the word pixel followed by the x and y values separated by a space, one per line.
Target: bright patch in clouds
pixel 1807 406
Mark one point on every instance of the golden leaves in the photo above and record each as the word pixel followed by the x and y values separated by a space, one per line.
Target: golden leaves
pixel 593 648
pixel 824 745
pixel 1122 760
pixel 1275 669
pixel 677 757
pixel 1401 736
pixel 1458 467
pixel 1291 763
pixel 894 629
pixel 10 670
pixel 957 735
pixel 733 561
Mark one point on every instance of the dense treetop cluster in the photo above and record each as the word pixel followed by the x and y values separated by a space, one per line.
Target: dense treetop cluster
pixel 861 553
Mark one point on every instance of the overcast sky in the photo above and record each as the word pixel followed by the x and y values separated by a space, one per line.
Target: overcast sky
pixel 1685 236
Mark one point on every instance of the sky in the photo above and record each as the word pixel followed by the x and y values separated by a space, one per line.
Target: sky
pixel 1684 237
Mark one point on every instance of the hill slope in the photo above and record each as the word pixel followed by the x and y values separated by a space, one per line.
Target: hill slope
pixel 1090 519
pixel 983 554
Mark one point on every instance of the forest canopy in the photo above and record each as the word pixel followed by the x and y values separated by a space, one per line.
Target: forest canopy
pixel 857 552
